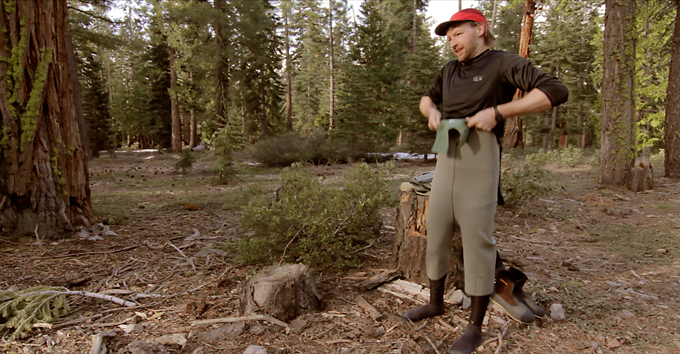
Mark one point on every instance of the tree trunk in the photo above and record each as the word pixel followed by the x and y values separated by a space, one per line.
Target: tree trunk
pixel 77 98
pixel 193 129
pixel 513 136
pixel 581 138
pixel 289 82
pixel 672 124
pixel 222 67
pixel 332 71
pixel 44 183
pixel 176 142
pixel 410 242
pixel 617 122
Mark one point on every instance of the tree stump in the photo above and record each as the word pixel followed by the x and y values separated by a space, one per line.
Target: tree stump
pixel 283 292
pixel 641 175
pixel 410 242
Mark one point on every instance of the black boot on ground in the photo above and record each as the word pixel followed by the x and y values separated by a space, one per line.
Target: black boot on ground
pixel 436 305
pixel 519 279
pixel 472 337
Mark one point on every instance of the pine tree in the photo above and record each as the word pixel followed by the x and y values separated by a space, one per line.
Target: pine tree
pixel 573 67
pixel 312 71
pixel 616 125
pixel 258 62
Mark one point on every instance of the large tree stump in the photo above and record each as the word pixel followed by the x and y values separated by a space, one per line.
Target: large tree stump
pixel 283 292
pixel 410 242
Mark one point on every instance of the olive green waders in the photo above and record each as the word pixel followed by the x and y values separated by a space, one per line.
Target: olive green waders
pixel 464 189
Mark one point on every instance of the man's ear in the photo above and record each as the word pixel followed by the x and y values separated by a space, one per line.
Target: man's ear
pixel 481 29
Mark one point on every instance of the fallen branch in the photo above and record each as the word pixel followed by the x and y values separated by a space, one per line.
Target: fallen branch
pixel 370 309
pixel 530 241
pixel 432 344
pixel 196 235
pixel 85 293
pixel 113 324
pixel 240 319
pixel 98 340
pixel 289 242
pixel 80 320
pixel 89 253
pixel 185 257
pixel 499 338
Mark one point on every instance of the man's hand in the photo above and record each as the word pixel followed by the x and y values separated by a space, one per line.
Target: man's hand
pixel 434 119
pixel 484 120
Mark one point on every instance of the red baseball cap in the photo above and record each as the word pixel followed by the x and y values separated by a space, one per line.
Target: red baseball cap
pixel 462 15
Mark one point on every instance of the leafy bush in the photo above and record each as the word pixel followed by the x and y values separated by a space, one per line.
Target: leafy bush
pixel 523 182
pixel 318 149
pixel 567 157
pixel 186 160
pixel 314 222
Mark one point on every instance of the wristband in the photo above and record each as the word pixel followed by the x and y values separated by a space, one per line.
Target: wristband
pixel 499 116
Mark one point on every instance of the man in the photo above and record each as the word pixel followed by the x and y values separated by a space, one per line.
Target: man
pixel 479 86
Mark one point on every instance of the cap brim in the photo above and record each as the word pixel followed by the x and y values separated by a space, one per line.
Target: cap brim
pixel 443 27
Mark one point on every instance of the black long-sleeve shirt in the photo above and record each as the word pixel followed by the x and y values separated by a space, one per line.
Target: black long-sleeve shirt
pixel 488 80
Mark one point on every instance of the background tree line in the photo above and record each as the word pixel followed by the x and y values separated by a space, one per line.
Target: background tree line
pixel 171 73
pixel 321 77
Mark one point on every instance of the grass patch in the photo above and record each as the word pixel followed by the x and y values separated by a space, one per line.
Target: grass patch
pixel 637 242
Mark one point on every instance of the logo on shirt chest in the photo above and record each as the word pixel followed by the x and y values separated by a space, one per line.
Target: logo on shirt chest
pixel 477 78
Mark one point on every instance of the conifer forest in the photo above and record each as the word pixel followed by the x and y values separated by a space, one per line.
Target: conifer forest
pixel 246 176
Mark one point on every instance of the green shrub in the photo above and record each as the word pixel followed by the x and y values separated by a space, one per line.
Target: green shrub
pixel 567 157
pixel 186 160
pixel 226 143
pixel 314 222
pixel 523 182
pixel 317 149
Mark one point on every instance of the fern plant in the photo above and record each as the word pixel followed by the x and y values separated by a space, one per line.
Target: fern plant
pixel 21 309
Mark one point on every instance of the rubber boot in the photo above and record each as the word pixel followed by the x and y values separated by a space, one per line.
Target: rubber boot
pixel 504 295
pixel 436 305
pixel 472 337
pixel 499 264
pixel 519 278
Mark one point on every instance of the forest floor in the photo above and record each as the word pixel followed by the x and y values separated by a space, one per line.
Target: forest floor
pixel 610 257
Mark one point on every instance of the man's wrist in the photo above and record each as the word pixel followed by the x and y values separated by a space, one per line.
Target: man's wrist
pixel 499 116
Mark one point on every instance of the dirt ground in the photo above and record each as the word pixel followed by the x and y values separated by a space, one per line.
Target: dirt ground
pixel 608 256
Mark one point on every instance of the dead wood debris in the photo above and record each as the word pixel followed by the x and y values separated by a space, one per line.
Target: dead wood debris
pixel 372 311
pixel 269 319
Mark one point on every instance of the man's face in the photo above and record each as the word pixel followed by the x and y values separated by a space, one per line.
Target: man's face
pixel 465 40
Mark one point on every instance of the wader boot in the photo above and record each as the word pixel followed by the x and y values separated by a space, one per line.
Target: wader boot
pixel 472 337
pixel 519 278
pixel 506 297
pixel 436 305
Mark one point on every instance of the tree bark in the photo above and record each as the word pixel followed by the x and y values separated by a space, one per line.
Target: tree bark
pixel 176 142
pixel 193 129
pixel 513 136
pixel 672 124
pixel 410 242
pixel 73 71
pixel 44 183
pixel 222 67
pixel 331 88
pixel 289 82
pixel 618 111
